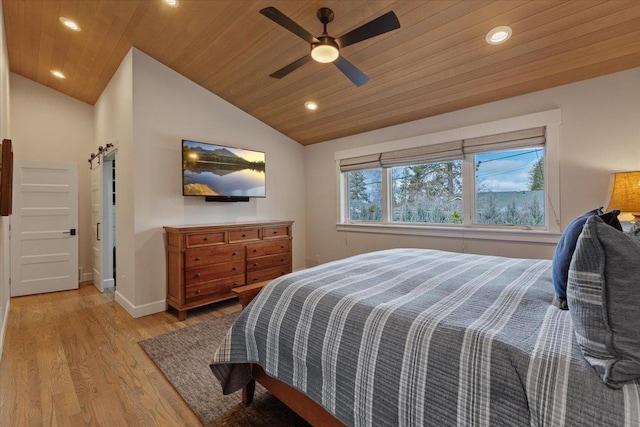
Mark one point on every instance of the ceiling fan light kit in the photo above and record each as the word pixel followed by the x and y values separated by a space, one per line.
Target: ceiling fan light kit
pixel 325 51
pixel 325 48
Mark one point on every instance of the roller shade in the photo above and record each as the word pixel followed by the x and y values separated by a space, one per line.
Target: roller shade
pixel 504 141
pixel 442 152
pixel 369 161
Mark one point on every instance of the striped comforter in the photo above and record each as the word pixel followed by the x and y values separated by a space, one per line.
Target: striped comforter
pixel 412 337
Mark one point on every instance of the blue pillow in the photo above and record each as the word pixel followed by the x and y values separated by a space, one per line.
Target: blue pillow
pixel 566 247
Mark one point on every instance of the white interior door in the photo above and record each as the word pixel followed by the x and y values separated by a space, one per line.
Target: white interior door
pixel 107 227
pixel 97 223
pixel 44 245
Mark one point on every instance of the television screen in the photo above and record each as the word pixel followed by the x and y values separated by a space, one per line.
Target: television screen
pixel 216 170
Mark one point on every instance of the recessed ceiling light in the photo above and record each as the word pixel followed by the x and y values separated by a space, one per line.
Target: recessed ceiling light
pixel 311 105
pixel 172 3
pixel 498 35
pixel 69 23
pixel 58 74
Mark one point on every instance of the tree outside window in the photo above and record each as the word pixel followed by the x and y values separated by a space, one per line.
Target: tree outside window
pixel 365 195
pixel 427 193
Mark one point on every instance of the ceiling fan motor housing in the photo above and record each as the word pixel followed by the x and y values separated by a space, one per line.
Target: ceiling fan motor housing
pixel 325 15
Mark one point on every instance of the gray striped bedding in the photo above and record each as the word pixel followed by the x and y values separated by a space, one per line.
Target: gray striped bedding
pixel 414 337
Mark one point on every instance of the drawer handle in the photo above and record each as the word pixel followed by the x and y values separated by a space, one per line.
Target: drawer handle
pixel 205 239
pixel 198 291
pixel 281 259
pixel 275 232
pixel 197 258
pixel 255 264
pixel 281 246
pixel 255 250
pixel 197 274
pixel 234 253
pixel 255 279
pixel 244 235
pixel 234 268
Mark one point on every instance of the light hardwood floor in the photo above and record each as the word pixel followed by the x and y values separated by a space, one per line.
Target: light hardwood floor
pixel 72 358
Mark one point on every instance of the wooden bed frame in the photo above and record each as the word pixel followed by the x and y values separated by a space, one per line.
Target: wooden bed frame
pixel 299 403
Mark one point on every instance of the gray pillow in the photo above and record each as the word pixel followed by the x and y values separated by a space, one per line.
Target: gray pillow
pixel 603 295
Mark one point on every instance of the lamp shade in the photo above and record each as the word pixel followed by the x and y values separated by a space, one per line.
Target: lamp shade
pixel 624 193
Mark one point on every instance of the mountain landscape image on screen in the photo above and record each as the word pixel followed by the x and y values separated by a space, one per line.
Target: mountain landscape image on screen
pixel 215 170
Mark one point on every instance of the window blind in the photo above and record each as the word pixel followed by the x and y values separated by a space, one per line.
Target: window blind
pixel 447 151
pixel 503 141
pixel 369 161
pixel 442 152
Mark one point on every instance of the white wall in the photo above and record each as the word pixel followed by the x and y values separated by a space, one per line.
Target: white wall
pixel 113 115
pixel 47 125
pixel 5 254
pixel 600 134
pixel 167 107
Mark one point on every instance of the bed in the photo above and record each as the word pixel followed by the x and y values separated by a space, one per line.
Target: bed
pixel 416 337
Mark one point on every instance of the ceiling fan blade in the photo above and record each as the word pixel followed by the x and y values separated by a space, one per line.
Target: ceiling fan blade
pixel 291 67
pixel 281 19
pixel 356 76
pixel 380 25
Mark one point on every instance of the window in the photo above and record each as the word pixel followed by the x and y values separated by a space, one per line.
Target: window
pixel 428 193
pixel 505 180
pixel 509 187
pixel 365 195
pixel 509 190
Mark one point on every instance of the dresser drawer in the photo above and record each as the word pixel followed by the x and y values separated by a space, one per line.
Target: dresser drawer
pixel 267 274
pixel 205 239
pixel 275 232
pixel 213 255
pixel 221 287
pixel 214 271
pixel 268 248
pixel 244 235
pixel 268 261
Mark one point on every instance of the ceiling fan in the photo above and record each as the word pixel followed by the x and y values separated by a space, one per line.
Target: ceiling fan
pixel 326 48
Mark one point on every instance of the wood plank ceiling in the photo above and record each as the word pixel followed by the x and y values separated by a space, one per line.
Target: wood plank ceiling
pixel 437 62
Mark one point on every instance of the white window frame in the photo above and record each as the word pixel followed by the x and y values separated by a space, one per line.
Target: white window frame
pixel 551 119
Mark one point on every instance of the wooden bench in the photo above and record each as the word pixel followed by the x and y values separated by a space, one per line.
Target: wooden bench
pixel 247 293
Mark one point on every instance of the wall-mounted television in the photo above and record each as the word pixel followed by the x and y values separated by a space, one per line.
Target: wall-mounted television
pixel 221 173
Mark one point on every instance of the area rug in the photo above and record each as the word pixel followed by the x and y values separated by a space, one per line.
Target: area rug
pixel 183 356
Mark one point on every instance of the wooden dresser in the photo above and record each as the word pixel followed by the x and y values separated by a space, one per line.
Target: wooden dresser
pixel 204 262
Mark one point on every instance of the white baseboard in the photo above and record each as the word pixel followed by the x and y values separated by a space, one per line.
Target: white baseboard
pixel 86 277
pixel 4 328
pixel 108 283
pixel 140 310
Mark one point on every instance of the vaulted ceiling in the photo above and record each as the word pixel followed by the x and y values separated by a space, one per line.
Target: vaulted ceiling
pixel 437 62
